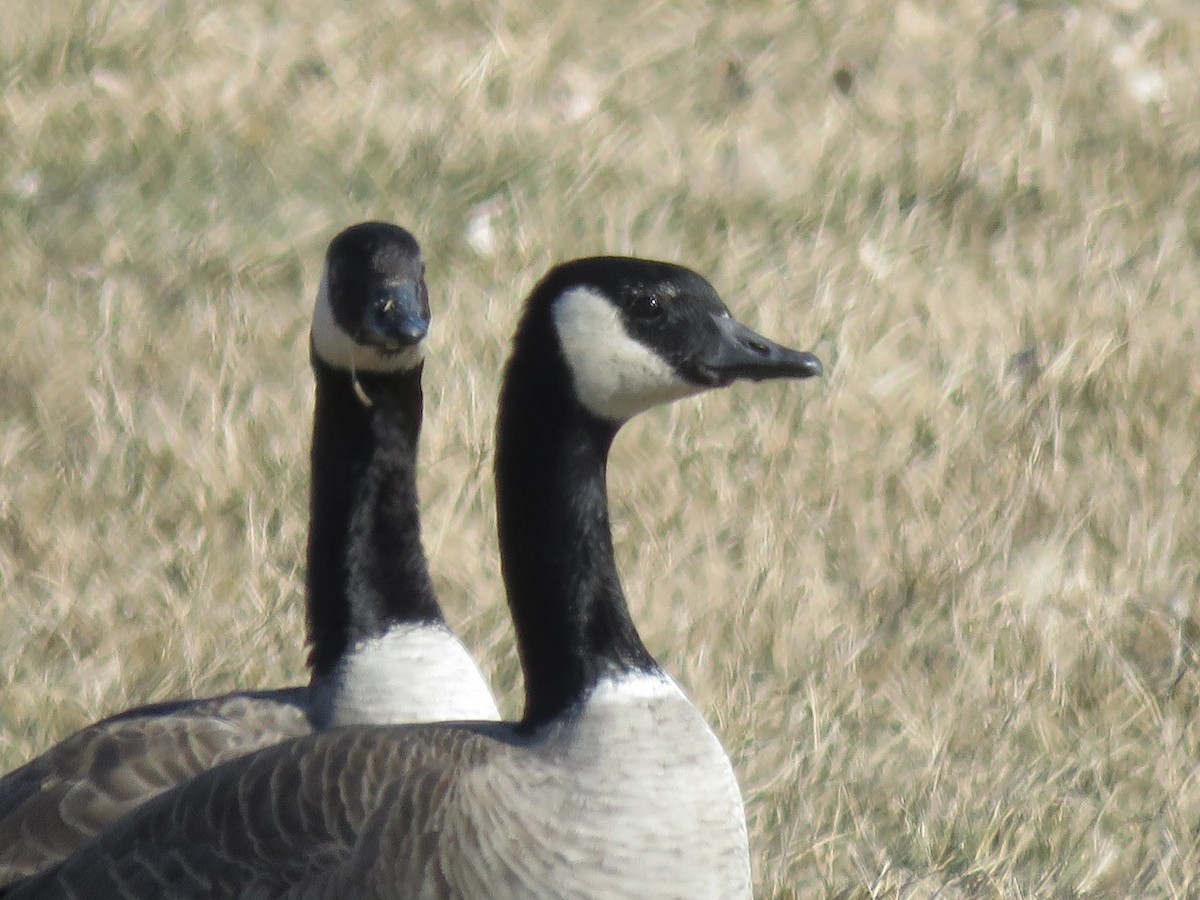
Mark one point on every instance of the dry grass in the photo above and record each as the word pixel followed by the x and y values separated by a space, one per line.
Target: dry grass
pixel 941 607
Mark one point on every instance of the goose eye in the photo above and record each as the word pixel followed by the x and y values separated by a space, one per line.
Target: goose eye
pixel 647 306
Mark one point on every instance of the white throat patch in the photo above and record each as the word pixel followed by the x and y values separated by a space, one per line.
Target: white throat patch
pixel 340 350
pixel 615 376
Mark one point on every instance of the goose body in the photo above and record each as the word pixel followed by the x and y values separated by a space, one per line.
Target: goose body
pixel 612 784
pixel 381 650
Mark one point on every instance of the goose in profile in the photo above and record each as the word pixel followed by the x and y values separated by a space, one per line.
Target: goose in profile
pixel 612 784
pixel 381 650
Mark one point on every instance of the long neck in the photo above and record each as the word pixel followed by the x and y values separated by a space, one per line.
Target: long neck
pixel 572 622
pixel 366 567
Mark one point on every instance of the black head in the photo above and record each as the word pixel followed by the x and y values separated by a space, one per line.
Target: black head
pixel 372 312
pixel 635 333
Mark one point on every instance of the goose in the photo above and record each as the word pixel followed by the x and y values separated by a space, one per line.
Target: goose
pixel 381 650
pixel 612 784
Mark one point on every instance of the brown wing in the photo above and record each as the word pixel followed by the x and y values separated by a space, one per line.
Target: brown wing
pixel 59 801
pixel 317 816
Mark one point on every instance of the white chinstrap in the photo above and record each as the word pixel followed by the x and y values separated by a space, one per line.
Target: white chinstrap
pixel 615 376
pixel 339 349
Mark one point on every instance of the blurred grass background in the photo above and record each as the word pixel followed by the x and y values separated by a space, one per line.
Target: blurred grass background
pixel 942 607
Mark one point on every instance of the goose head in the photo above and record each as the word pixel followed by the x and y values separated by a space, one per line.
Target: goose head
pixel 636 333
pixel 372 311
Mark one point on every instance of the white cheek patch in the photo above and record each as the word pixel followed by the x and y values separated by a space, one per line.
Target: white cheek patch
pixel 615 376
pixel 341 351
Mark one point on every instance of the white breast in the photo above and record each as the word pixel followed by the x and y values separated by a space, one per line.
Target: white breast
pixel 414 673
pixel 633 798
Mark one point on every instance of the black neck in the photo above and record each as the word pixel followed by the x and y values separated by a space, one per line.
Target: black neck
pixel 572 622
pixel 366 566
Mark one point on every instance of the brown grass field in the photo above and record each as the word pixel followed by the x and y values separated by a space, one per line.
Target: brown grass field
pixel 942 607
